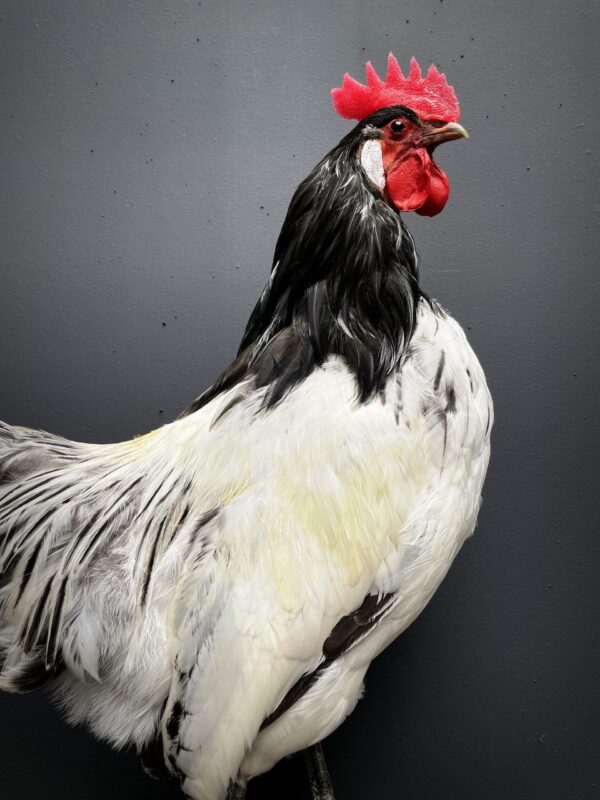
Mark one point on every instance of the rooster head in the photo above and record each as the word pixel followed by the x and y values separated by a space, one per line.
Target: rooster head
pixel 402 121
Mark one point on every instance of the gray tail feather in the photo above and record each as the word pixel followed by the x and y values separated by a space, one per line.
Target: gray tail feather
pixel 24 452
pixel 20 672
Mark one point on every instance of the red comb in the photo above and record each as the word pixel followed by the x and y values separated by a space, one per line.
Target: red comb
pixel 430 97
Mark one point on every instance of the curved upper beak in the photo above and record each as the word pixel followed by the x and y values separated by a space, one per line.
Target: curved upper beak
pixel 446 133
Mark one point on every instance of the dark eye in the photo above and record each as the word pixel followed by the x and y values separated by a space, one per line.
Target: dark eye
pixel 397 126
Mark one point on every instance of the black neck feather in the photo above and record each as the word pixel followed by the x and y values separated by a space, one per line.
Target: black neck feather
pixel 344 283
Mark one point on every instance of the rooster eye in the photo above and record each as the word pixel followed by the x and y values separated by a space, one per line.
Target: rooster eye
pixel 397 126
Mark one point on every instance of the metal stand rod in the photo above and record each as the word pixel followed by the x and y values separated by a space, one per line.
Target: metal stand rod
pixel 236 792
pixel 318 774
pixel 318 777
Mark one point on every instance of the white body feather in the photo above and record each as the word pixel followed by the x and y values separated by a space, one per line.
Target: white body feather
pixel 259 531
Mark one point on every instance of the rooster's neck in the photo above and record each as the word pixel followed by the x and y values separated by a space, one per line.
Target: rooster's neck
pixel 344 284
pixel 344 278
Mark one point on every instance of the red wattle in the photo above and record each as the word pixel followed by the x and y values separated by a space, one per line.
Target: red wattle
pixel 407 180
pixel 439 190
pixel 416 183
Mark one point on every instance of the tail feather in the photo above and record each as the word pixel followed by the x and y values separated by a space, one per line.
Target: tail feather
pixel 64 510
pixel 20 672
pixel 32 486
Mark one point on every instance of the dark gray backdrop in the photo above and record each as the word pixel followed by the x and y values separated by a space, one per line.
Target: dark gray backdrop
pixel 148 152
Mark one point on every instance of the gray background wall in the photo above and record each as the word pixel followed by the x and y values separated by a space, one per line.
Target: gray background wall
pixel 148 152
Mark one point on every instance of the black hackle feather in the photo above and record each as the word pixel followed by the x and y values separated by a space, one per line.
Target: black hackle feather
pixel 344 282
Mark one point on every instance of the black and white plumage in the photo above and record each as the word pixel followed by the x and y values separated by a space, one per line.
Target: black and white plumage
pixel 219 586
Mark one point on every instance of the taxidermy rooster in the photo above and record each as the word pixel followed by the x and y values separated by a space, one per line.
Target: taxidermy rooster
pixel 213 592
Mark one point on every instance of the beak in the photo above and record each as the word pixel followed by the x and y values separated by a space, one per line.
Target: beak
pixel 446 133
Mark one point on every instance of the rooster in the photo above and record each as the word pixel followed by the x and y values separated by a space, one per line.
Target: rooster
pixel 213 592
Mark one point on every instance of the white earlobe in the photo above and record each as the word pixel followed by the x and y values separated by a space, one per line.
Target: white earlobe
pixel 372 162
